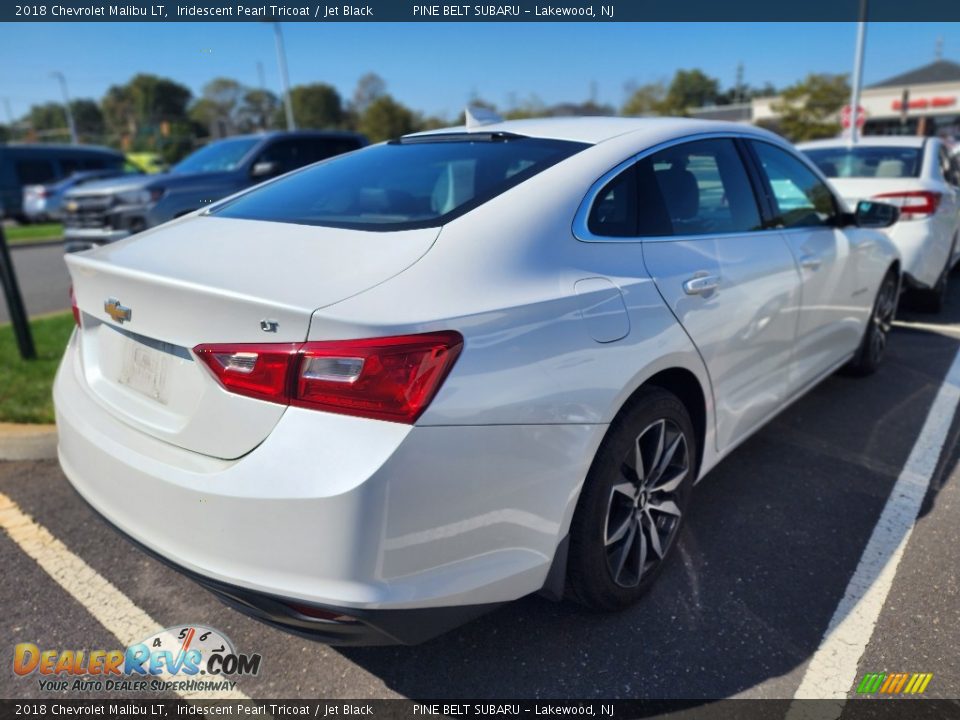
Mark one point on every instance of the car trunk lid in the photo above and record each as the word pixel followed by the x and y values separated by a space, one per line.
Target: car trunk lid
pixel 148 300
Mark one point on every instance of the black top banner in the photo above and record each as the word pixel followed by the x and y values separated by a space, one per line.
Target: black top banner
pixel 517 11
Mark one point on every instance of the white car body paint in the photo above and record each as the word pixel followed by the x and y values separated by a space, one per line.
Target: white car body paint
pixel 469 504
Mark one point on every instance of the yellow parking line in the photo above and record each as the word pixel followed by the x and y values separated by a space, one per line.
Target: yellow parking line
pixel 98 596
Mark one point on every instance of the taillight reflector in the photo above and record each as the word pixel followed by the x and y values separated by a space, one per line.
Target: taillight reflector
pixel 392 378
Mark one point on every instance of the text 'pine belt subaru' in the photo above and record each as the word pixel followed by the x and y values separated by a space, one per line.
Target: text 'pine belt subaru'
pixel 380 395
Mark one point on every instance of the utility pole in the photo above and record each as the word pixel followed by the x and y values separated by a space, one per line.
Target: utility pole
pixel 66 105
pixel 284 78
pixel 857 73
pixel 738 93
pixel 11 290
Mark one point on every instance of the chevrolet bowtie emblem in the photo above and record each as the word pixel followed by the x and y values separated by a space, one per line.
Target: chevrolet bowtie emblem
pixel 115 310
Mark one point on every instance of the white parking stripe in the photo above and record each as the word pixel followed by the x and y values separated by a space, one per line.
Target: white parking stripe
pixel 99 597
pixel 833 668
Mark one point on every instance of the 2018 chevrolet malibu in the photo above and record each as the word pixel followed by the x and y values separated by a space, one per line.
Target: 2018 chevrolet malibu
pixel 378 396
pixel 918 175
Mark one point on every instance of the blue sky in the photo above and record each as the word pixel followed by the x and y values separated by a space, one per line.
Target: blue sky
pixel 436 67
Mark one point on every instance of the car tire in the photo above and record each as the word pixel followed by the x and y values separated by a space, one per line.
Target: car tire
pixel 873 346
pixel 626 523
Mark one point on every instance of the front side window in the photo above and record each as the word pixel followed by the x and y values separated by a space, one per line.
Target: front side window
pixel 416 182
pixel 801 198
pixel 35 172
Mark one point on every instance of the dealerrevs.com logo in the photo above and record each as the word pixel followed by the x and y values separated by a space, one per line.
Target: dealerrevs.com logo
pixel 187 658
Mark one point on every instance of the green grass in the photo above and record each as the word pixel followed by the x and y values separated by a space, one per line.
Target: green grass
pixel 25 385
pixel 26 234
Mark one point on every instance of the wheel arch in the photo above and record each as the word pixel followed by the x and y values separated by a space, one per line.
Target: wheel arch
pixel 678 380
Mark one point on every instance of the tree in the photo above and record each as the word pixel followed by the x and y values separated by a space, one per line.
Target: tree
pixel 218 108
pixel 258 110
pixel 644 99
pixel 87 117
pixel 370 87
pixel 808 108
pixel 385 118
pixel 689 89
pixel 317 106
pixel 48 117
pixel 143 104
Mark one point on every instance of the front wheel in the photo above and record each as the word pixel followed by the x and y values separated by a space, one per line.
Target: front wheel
pixel 633 502
pixel 874 344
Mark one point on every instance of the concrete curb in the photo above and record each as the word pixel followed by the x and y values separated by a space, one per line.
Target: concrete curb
pixel 27 442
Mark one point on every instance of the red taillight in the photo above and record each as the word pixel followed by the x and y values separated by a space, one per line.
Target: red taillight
pixel 73 306
pixel 392 378
pixel 912 203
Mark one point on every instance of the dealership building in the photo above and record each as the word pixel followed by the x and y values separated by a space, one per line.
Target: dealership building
pixel 932 107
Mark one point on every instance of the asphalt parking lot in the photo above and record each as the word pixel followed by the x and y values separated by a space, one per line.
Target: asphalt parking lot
pixel 43 278
pixel 776 532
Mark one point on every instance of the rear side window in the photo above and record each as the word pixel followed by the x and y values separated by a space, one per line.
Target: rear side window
pixel 696 188
pixel 802 199
pixel 704 187
pixel 35 172
pixel 402 184
pixel 867 162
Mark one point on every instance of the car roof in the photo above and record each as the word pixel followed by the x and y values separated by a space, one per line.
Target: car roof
pixel 58 147
pixel 595 130
pixel 911 141
pixel 293 133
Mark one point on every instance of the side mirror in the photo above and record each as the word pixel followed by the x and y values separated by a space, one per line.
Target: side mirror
pixel 870 214
pixel 264 168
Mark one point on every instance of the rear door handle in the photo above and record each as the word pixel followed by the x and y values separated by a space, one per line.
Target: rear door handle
pixel 810 262
pixel 700 284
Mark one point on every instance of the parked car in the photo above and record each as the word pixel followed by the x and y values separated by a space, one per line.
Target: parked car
pixel 106 211
pixel 45 202
pixel 919 176
pixel 383 394
pixel 22 165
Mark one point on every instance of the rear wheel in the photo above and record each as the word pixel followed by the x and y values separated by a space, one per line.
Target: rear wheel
pixel 633 503
pixel 874 344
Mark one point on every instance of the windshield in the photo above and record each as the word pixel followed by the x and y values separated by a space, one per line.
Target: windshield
pixel 867 162
pixel 401 185
pixel 220 156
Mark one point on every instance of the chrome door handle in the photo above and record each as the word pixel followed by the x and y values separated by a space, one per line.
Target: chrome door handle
pixel 700 284
pixel 810 262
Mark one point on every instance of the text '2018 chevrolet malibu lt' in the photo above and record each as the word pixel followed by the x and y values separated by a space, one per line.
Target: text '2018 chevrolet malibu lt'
pixel 375 397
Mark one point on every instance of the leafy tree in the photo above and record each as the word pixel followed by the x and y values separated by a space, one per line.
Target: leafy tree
pixel 370 87
pixel 689 89
pixel 258 110
pixel 316 106
pixel 87 117
pixel 46 117
pixel 142 104
pixel 385 118
pixel 808 108
pixel 219 106
pixel 644 99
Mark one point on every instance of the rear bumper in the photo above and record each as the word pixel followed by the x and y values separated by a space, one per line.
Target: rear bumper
pixel 922 249
pixel 358 516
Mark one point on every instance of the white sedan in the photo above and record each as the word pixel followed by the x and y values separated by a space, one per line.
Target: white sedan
pixel 378 396
pixel 918 175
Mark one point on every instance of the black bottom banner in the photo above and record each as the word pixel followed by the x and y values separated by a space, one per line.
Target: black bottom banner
pixel 874 709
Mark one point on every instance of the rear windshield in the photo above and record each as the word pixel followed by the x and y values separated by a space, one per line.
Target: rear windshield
pixel 867 162
pixel 401 185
